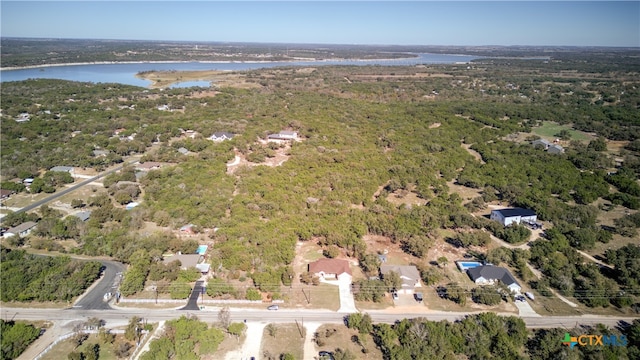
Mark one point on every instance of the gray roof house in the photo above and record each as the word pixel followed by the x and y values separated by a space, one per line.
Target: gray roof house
pixel 21 230
pixel 513 215
pixel 186 260
pixel 490 274
pixel 83 215
pixel 541 142
pixel 98 153
pixel 62 168
pixel 409 275
pixel 555 149
pixel 183 151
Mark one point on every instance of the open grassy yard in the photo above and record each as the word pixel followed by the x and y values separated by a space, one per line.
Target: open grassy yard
pixel 323 296
pixel 549 130
pixel 282 339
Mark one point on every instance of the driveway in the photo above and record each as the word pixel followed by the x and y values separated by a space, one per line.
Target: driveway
pixel 347 303
pixel 93 298
pixel 524 309
pixel 310 350
pixel 406 300
pixel 252 343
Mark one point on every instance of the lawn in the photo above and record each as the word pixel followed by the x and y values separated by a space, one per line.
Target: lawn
pixel 285 338
pixel 549 129
pixel 323 296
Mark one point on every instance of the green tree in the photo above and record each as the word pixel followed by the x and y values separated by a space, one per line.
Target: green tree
pixel 392 280
pixel 456 293
pixel 237 329
pixel 487 295
pixel 253 294
pixel 16 337
pixel 210 340
pixel 179 290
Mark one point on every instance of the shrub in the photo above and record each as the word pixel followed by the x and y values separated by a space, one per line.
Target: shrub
pixel 487 295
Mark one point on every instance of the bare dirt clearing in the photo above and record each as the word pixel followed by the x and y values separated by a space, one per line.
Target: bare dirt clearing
pixel 240 160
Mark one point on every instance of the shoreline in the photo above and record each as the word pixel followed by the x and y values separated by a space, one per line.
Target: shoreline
pixel 200 62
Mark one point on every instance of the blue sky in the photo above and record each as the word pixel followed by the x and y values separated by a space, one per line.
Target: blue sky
pixel 578 23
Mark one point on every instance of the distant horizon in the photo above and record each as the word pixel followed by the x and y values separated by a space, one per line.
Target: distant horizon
pixel 373 23
pixel 324 44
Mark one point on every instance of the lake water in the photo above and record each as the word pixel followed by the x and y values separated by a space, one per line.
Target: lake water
pixel 125 73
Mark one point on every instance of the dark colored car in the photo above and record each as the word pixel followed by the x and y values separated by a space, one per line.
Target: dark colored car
pixel 418 296
pixel 325 355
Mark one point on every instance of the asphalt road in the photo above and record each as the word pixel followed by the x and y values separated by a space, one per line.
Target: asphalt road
pixel 93 299
pixel 117 317
pixel 197 291
pixel 75 187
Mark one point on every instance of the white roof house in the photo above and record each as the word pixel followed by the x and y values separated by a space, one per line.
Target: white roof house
pixel 283 135
pixel 221 136
pixel 68 169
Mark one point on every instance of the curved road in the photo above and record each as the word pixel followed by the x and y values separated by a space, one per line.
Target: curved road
pixel 93 299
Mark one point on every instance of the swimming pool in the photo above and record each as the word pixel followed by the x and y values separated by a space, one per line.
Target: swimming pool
pixel 465 265
pixel 202 249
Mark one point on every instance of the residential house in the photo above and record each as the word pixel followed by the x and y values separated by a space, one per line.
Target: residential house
pixel 131 205
pixel 100 153
pixel 550 147
pixel 331 269
pixel 514 215
pixel 21 230
pixel 188 229
pixel 149 165
pixel 555 149
pixel 283 136
pixel 541 143
pixel 221 136
pixel 183 151
pixel 83 215
pixel 186 260
pixel 191 134
pixel 68 169
pixel 490 274
pixel 24 117
pixel 5 194
pixel 409 275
